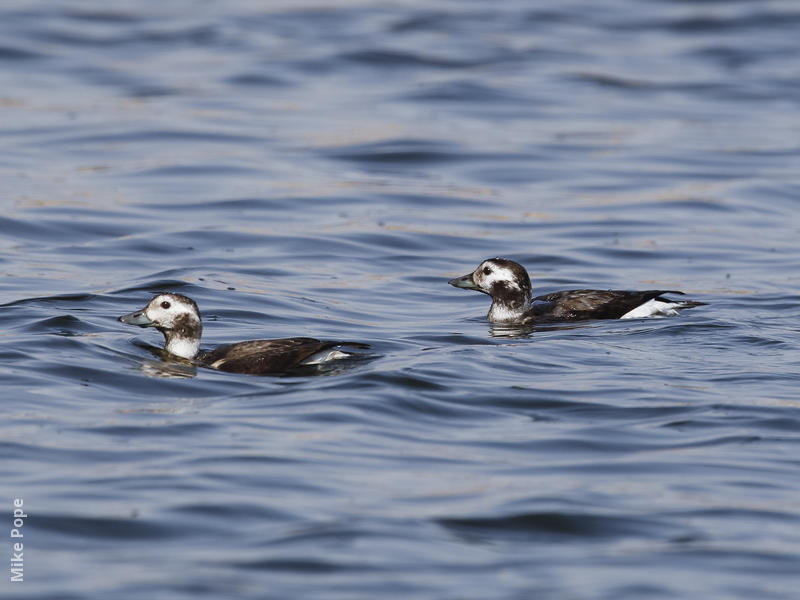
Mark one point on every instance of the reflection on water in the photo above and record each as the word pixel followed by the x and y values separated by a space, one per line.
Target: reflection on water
pixel 510 330
pixel 322 171
pixel 168 368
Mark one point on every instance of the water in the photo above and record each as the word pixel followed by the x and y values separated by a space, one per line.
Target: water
pixel 310 168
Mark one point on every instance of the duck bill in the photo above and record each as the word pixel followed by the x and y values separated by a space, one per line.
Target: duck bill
pixel 465 281
pixel 136 318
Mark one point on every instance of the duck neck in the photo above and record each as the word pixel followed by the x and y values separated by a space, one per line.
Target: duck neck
pixel 178 345
pixel 183 339
pixel 509 305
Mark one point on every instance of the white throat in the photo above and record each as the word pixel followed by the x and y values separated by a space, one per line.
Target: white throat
pixel 501 313
pixel 183 347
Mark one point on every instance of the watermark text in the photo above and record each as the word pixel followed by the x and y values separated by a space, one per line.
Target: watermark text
pixel 17 522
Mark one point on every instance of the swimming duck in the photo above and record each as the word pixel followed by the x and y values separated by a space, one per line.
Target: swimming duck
pixel 508 284
pixel 178 318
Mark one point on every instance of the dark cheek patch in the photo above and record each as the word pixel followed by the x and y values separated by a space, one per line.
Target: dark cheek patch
pixel 507 294
pixel 185 326
pixel 499 288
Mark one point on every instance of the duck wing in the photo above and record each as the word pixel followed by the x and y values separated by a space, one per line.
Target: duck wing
pixel 260 357
pixel 575 305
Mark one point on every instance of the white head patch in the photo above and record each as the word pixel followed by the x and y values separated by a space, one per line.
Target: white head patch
pixel 167 310
pixel 490 272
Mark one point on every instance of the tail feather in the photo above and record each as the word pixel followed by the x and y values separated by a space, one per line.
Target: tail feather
pixel 660 307
pixel 689 304
pixel 359 345
pixel 680 304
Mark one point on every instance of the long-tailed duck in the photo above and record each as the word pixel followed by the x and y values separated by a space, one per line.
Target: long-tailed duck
pixel 508 284
pixel 177 317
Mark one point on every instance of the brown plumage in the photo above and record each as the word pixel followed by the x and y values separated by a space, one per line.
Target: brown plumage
pixel 178 319
pixel 574 305
pixel 258 357
pixel 509 285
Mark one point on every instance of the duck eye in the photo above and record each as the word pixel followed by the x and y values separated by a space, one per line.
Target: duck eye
pixel 487 271
pixel 165 305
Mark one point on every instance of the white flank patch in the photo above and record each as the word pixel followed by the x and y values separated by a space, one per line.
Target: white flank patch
pixel 653 308
pixel 325 356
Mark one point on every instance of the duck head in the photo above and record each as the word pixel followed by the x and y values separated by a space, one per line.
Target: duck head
pixel 175 316
pixel 508 284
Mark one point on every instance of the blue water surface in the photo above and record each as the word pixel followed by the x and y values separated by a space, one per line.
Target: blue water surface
pixel 307 168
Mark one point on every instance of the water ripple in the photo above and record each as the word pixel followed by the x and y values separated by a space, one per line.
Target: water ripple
pixel 309 170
